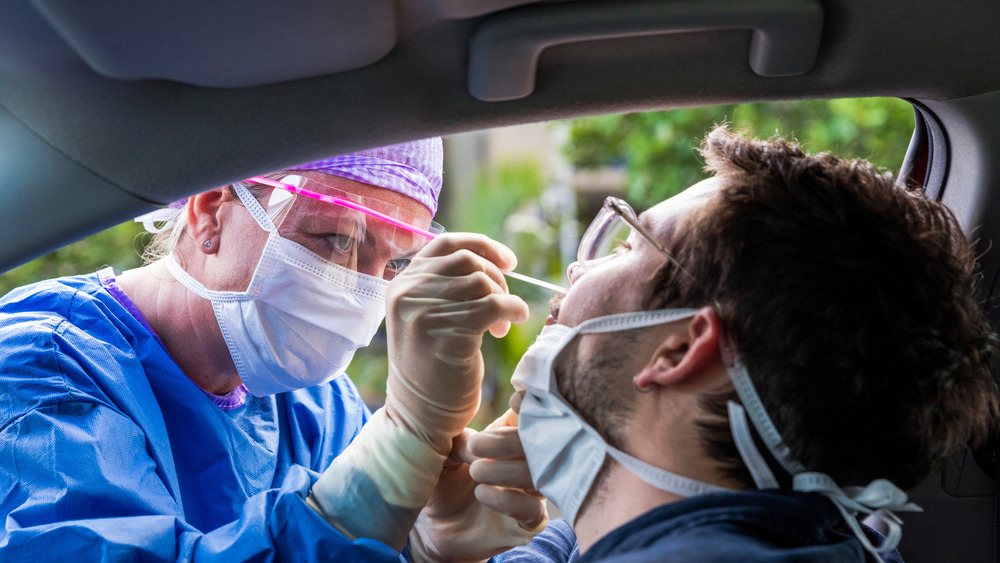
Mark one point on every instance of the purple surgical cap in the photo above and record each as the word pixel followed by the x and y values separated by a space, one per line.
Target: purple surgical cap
pixel 413 169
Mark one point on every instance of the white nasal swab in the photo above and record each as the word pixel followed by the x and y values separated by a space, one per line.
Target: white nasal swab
pixel 533 281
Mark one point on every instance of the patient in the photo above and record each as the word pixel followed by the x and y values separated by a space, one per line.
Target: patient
pixel 707 388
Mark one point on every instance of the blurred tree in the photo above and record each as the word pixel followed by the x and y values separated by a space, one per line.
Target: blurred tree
pixel 120 246
pixel 657 149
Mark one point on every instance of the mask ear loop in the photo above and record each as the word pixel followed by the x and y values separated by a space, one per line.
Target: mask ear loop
pixel 254 207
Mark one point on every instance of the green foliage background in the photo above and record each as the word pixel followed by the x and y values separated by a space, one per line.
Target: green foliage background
pixel 120 247
pixel 657 152
pixel 657 149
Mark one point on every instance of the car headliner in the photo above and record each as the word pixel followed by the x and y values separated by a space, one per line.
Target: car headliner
pixel 83 149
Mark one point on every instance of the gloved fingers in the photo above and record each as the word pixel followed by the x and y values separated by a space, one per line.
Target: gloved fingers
pixel 460 448
pixel 508 418
pixel 479 244
pixel 465 318
pixel 460 262
pixel 517 313
pixel 528 509
pixel 502 473
pixel 515 401
pixel 458 287
pixel 496 443
pixel 434 288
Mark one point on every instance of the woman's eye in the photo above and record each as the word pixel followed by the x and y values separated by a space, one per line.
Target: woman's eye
pixel 397 265
pixel 341 242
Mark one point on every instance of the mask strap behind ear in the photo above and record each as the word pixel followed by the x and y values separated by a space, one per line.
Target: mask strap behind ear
pixel 628 321
pixel 254 207
pixel 758 414
pixel 762 475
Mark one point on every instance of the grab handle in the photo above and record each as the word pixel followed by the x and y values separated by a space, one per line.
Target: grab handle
pixel 504 50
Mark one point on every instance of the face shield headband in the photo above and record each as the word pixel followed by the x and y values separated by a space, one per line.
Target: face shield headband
pixel 342 227
pixel 363 233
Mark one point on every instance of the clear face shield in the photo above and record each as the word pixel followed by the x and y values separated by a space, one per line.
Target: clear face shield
pixel 365 234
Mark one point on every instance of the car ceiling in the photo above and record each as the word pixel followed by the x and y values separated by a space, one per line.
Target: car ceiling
pixel 108 109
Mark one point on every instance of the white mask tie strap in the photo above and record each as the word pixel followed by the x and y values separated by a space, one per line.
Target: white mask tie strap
pixel 254 207
pixel 167 217
pixel 881 499
pixel 762 475
pixel 662 479
pixel 627 321
pixel 758 414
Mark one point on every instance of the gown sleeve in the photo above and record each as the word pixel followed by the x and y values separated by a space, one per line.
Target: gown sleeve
pixel 78 484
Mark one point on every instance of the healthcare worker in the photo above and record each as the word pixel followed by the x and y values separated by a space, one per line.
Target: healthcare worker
pixel 195 408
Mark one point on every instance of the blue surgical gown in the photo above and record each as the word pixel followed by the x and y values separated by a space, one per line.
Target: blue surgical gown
pixel 109 452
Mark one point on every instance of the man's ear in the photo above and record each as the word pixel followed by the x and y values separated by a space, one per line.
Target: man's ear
pixel 203 219
pixel 683 354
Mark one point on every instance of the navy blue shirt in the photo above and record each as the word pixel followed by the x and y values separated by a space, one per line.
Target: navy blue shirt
pixel 760 526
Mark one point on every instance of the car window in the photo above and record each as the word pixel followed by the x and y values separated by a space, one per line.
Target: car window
pixel 535 187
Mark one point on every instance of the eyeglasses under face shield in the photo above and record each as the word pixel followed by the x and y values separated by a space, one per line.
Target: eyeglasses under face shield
pixel 365 234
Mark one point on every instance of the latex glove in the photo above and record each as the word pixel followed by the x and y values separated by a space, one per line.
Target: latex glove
pixel 437 312
pixel 484 503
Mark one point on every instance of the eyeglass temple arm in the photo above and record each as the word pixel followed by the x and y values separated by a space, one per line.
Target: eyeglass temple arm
pixel 629 218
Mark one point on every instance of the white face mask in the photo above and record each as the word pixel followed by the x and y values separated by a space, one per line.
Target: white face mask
pixel 564 453
pixel 300 320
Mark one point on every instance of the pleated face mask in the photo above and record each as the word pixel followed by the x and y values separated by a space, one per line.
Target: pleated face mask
pixel 564 453
pixel 318 291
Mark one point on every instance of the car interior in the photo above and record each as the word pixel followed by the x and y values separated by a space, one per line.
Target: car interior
pixel 111 109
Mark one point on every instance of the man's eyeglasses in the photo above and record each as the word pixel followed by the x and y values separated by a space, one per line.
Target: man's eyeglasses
pixel 610 231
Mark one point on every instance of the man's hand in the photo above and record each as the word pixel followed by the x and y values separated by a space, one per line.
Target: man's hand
pixel 484 503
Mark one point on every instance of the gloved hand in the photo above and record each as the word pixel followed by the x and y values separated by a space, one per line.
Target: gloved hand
pixel 484 503
pixel 437 312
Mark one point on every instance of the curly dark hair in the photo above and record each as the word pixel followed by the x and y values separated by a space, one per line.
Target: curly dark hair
pixel 851 300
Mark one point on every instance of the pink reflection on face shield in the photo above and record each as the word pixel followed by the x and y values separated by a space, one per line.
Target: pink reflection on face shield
pixel 344 203
pixel 390 220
